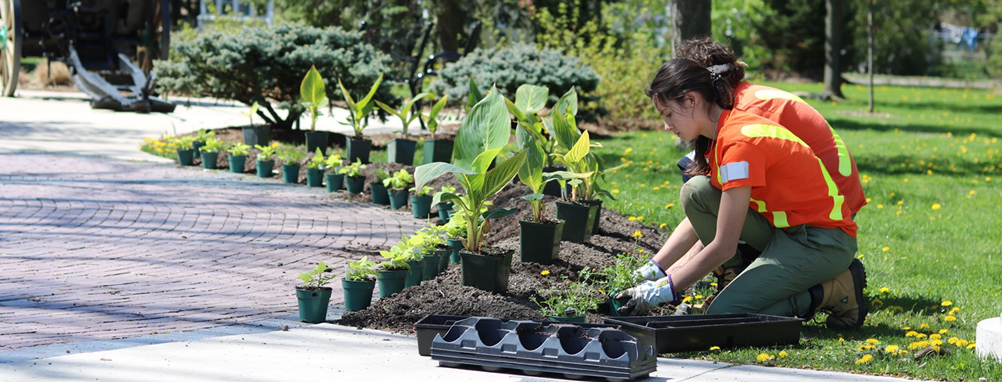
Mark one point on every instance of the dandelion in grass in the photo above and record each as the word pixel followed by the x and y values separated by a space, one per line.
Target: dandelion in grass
pixel 632 218
pixel 763 357
pixel 949 318
pixel 912 333
pixel 663 225
pixel 936 206
pixel 865 359
pixel 935 336
pixel 615 190
pixel 628 151
pixel 953 340
pixel 669 205
pixel 920 335
pixel 879 206
pixel 971 346
pixel 885 290
pixel 899 212
pixel 900 202
pixel 906 328
pixel 946 303
pixel 687 299
pixel 885 249
pixel 923 326
pixel 859 256
pixel 872 341
pixel 545 272
pixel 944 331
pixel 638 234
pixel 783 354
pixel 714 348
pixel 891 349
pixel 954 311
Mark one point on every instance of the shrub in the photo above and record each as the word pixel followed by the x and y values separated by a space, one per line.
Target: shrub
pixel 266 65
pixel 510 66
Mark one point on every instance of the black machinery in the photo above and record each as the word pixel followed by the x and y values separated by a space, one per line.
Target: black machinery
pixel 109 46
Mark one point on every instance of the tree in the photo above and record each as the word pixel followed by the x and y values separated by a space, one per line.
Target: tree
pixel 834 20
pixel 690 19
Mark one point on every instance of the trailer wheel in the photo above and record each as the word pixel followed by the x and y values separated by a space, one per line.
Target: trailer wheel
pixel 10 45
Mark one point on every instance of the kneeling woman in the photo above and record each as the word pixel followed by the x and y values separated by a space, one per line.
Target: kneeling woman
pixel 759 183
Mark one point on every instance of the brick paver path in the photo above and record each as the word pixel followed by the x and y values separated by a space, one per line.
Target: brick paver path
pixel 94 248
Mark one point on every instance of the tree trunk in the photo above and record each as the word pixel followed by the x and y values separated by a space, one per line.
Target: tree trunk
pixel 834 19
pixel 690 19
pixel 450 24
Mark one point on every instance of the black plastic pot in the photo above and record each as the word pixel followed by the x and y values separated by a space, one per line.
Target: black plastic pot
pixel 431 262
pixel 598 214
pixel 237 163
pixel 358 149
pixel 355 184
pixel 579 218
pixel 314 177
pixel 265 168
pixel 379 194
pixel 401 151
pixel 421 206
pixel 334 182
pixel 539 242
pixel 438 150
pixel 699 332
pixel 313 304
pixel 487 272
pixel 317 139
pixel 553 188
pixel 290 173
pixel 257 135
pixel 209 160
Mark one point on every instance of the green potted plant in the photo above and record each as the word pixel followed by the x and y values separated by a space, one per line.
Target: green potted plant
pixel 444 208
pixel 434 243
pixel 358 283
pixel 358 147
pixel 420 245
pixel 210 152
pixel 333 179
pixel 314 95
pixel 237 157
pixel 455 235
pixel 255 135
pixel 203 135
pixel 378 190
pixel 436 150
pixel 353 179
pixel 314 295
pixel 421 202
pixel 265 161
pixel 314 169
pixel 408 272
pixel 529 101
pixel 396 188
pixel 484 132
pixel 185 151
pixel 570 300
pixel 621 275
pixel 291 159
pixel 401 150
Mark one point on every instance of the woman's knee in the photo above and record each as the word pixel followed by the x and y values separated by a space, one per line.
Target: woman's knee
pixel 695 194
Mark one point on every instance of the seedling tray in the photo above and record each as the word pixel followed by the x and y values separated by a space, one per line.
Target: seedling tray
pixel 536 348
pixel 437 324
pixel 673 334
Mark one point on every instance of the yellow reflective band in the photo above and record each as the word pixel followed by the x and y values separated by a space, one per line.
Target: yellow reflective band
pixel 844 163
pixel 838 199
pixel 760 205
pixel 768 94
pixel 771 131
pixel 779 219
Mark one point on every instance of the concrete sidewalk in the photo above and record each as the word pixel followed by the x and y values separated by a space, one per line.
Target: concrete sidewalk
pixel 132 270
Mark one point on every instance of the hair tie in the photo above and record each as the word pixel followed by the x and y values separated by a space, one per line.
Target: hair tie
pixel 715 71
pixel 714 77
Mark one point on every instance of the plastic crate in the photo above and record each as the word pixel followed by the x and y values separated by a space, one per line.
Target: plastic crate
pixel 673 334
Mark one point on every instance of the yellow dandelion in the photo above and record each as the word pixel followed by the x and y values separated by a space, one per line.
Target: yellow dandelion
pixel 714 348
pixel 900 202
pixel 944 331
pixel 946 303
pixel 920 335
pixel 865 359
pixel 713 284
pixel 937 342
pixel 891 349
pixel 936 206
pixel 952 340
pixel 859 256
pixel 971 346
pixel 699 297
pixel 872 341
pixel 669 205
pixel 840 339
pixel 783 354
pixel 954 311
pixel 687 299
pixel 615 191
pixel 865 347
pixel 762 357
pixel 906 328
pixel 935 336
pixel 545 272
pixel 641 250
pixel 949 318
pixel 885 290
pixel 632 218
pixel 880 206
pixel 877 303
pixel 898 213
pixel 923 326
pixel 912 333
pixel 637 234
pixel 885 249
pixel 972 192
pixel 640 218
pixel 662 225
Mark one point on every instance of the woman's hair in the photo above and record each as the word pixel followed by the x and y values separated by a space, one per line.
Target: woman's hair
pixel 679 76
pixel 706 52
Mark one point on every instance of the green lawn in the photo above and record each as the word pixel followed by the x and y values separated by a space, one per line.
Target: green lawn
pixel 930 237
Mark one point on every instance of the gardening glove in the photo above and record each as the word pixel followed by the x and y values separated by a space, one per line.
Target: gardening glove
pixel 646 296
pixel 650 271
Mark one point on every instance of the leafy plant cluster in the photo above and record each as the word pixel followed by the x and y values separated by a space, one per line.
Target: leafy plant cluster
pixel 569 298
pixel 265 65
pixel 508 67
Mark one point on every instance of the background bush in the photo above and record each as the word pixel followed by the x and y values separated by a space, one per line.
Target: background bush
pixel 266 65
pixel 511 66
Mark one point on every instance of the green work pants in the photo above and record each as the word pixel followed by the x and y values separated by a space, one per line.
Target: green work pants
pixel 792 259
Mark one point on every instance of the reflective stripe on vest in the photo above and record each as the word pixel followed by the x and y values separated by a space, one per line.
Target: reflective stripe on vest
pixel 844 163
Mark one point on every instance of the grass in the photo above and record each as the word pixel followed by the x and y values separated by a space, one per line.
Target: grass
pixel 930 165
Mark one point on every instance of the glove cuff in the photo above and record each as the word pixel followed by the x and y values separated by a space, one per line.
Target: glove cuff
pixel 651 271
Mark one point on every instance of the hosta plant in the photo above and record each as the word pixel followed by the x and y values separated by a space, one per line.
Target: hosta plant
pixel 316 278
pixel 313 93
pixel 361 270
pixel 405 115
pixel 358 111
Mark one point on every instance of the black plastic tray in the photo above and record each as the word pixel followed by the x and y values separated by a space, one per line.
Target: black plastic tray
pixel 432 324
pixel 699 332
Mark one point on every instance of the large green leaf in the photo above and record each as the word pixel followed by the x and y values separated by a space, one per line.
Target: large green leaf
pixel 568 103
pixel 312 89
pixel 498 213
pixel 501 175
pixel 531 98
pixel 372 92
pixel 487 127
pixel 577 153
pixel 347 97
pixel 475 95
pixel 565 130
pixel 428 172
pixel 531 172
